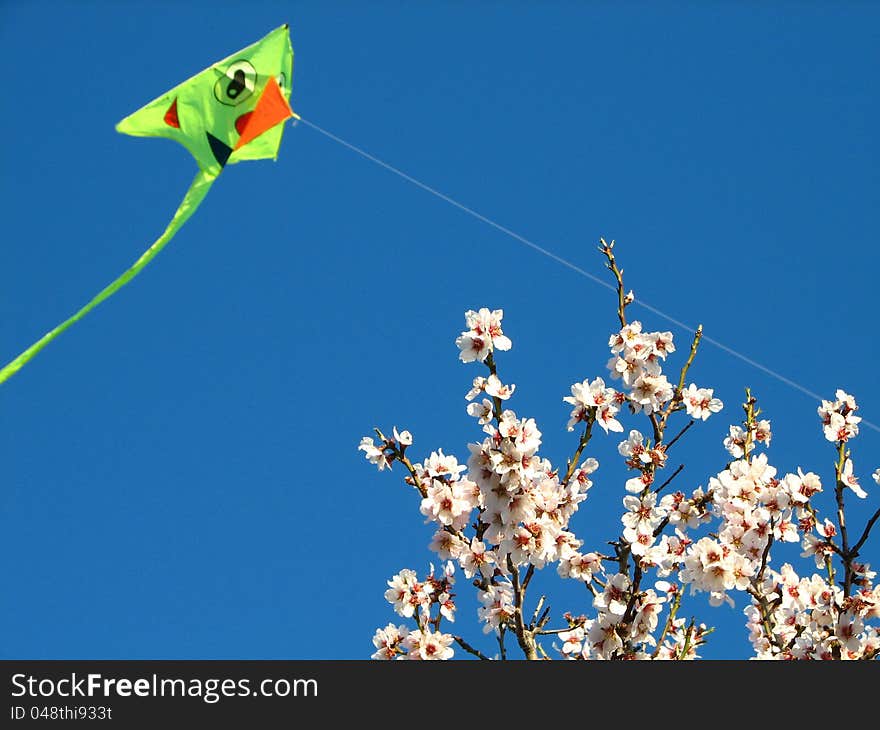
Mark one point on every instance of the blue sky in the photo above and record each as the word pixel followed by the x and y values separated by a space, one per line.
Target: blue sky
pixel 178 473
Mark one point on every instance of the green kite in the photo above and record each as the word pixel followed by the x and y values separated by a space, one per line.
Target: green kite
pixel 229 112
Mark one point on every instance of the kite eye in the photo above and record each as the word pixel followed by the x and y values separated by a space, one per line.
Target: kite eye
pixel 237 84
pixel 281 81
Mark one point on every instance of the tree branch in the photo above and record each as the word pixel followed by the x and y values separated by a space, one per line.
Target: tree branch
pixel 607 251
pixel 523 635
pixel 583 441
pixel 528 579
pixel 469 649
pixel 674 474
pixel 680 434
pixel 840 486
pixel 670 618
pixel 549 632
pixel 676 397
pixel 858 546
pixel 501 648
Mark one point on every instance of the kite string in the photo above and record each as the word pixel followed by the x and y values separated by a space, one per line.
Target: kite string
pixel 574 267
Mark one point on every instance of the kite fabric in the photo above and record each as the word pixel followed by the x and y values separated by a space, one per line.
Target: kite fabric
pixel 232 111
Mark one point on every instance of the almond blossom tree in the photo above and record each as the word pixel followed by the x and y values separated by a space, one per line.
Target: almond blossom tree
pixel 506 513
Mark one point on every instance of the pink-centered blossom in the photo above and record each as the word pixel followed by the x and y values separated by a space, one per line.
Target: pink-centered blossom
pixel 699 402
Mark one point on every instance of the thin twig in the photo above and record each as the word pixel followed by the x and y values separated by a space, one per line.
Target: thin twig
pixel 674 474
pixel 497 406
pixel 676 397
pixel 670 618
pixel 537 611
pixel 545 617
pixel 529 573
pixel 680 434
pixel 855 549
pixel 661 526
pixel 582 442
pixel 842 456
pixel 698 335
pixel 766 553
pixel 548 632
pixel 635 594
pixel 687 641
pixel 606 249
pixel 415 477
pixel 469 649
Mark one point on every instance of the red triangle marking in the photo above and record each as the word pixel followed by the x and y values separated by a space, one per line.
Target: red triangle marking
pixel 171 115
pixel 241 122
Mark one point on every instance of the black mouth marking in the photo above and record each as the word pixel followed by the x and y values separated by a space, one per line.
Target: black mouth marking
pixel 220 149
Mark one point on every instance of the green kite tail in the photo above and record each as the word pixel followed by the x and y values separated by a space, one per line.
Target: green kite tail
pixel 191 201
pixel 232 111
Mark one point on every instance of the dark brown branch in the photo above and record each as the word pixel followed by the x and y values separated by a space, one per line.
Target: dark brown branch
pixel 629 613
pixel 497 406
pixel 766 553
pixel 529 573
pixel 548 632
pixel 858 546
pixel 672 476
pixel 842 456
pixel 470 650
pixel 545 617
pixel 502 649
pixel 680 434
pixel 657 427
pixel 661 526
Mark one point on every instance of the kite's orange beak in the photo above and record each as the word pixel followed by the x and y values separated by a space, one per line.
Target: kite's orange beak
pixel 272 108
